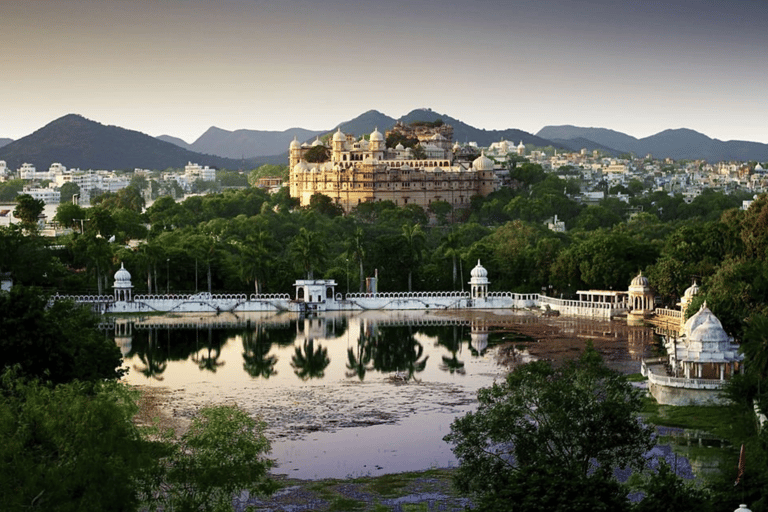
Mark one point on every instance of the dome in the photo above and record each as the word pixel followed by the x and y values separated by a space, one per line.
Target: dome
pixel 759 167
pixel 376 135
pixel 691 291
pixel 295 144
pixel 300 167
pixel 122 275
pixel 456 146
pixel 317 142
pixel 640 280
pixel 437 136
pixel 482 163
pixel 399 147
pixel 339 136
pixel 479 271
pixel 698 319
pixel 710 331
pixel 521 145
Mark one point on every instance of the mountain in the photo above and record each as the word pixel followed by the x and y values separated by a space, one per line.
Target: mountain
pixel 679 144
pixel 79 142
pixel 176 142
pixel 248 143
pixel 462 132
pixel 580 143
pixel 5 142
pixel 366 122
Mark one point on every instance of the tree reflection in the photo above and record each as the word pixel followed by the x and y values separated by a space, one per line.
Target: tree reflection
pixel 256 359
pixel 155 363
pixel 396 350
pixel 209 361
pixel 358 363
pixel 310 363
pixel 452 341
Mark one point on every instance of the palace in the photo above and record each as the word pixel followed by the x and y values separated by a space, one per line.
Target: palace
pixel 365 170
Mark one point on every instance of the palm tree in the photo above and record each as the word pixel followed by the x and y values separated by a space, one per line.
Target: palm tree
pixel 451 248
pixel 414 240
pixel 356 251
pixel 309 249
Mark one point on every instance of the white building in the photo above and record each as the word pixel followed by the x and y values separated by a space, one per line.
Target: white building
pixel 48 195
pixel 194 172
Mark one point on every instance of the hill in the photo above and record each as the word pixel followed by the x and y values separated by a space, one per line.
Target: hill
pixel 79 142
pixel 5 142
pixel 462 132
pixel 679 144
pixel 176 142
pixel 248 143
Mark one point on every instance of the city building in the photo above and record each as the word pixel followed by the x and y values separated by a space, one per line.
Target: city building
pixel 365 170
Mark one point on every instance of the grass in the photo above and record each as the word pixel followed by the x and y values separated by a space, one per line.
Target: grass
pixel 392 485
pixel 729 422
pixel 636 377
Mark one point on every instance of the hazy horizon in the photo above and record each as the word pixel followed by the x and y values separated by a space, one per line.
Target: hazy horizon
pixel 179 67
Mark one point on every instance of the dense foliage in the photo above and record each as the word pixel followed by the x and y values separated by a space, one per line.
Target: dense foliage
pixel 548 435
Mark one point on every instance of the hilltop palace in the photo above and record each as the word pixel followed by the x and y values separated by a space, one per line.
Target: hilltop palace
pixel 365 170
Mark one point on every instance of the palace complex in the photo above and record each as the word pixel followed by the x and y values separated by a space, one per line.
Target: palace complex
pixel 360 170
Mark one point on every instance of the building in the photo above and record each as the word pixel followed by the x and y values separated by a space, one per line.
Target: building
pixel 365 170
pixel 196 172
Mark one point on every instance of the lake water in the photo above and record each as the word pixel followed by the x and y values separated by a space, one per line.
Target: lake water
pixel 352 394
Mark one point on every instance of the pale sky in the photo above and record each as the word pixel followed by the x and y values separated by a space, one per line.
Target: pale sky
pixel 177 67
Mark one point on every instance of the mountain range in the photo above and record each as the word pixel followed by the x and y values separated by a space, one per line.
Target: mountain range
pixel 79 142
pixel 678 144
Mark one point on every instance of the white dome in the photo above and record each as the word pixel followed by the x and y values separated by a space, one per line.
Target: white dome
pixel 482 163
pixel 692 290
pixel 317 142
pixel 122 275
pixel 479 271
pixel 399 147
pixel 301 167
pixel 759 167
pixel 437 136
pixel 701 316
pixel 295 144
pixel 710 331
pixel 339 137
pixel 640 280
pixel 376 135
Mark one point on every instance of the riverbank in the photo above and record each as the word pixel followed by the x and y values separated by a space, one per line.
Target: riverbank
pixel 401 492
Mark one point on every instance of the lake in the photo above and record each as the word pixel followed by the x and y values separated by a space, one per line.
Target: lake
pixel 353 394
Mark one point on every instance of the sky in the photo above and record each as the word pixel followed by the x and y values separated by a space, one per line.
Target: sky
pixel 178 67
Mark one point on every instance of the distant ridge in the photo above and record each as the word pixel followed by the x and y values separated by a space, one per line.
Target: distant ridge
pixel 5 142
pixel 678 144
pixel 79 142
pixel 248 143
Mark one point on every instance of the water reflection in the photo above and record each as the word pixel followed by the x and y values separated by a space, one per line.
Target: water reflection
pixel 345 393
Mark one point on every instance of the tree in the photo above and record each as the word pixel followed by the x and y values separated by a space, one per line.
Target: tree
pixel 570 426
pixel 72 447
pixel 69 214
pixel 317 154
pixel 309 249
pixel 59 343
pixel 68 190
pixel 414 240
pixel 28 209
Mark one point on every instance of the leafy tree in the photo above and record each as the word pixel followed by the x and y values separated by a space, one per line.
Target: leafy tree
pixel 28 209
pixel 69 214
pixel 9 190
pixel 570 426
pixel 324 205
pixel 665 490
pixel 59 343
pixel 317 154
pixel 268 170
pixel 72 447
pixel 68 190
